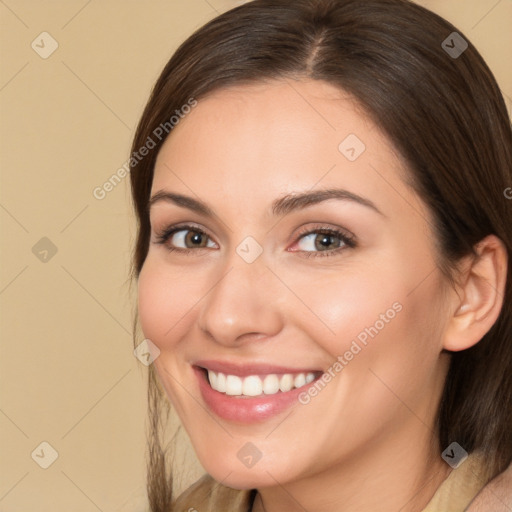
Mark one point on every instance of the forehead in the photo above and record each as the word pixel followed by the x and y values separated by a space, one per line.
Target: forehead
pixel 252 143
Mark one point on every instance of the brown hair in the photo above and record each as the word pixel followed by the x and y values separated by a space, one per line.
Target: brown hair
pixel 445 115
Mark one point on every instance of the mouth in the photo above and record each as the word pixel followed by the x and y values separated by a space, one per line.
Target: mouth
pixel 257 385
pixel 251 394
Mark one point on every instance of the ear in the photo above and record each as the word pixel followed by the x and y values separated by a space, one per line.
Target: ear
pixel 477 302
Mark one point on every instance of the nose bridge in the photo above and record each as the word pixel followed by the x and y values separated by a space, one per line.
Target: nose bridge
pixel 241 301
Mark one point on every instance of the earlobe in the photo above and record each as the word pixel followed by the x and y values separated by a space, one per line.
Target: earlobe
pixel 479 298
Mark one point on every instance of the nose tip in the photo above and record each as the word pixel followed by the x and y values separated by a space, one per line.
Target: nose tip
pixel 240 306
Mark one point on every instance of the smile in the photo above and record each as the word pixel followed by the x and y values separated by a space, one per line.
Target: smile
pixel 251 393
pixel 255 385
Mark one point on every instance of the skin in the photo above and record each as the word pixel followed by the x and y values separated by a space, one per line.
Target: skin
pixel 371 427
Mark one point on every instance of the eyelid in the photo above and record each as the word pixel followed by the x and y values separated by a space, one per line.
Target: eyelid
pixel 163 235
pixel 348 238
pixel 315 227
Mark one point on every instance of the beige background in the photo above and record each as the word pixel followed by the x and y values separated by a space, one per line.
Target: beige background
pixel 68 375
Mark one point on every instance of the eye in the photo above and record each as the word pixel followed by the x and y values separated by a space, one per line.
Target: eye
pixel 322 241
pixel 328 241
pixel 184 238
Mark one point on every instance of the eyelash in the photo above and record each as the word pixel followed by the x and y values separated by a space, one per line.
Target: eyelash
pixel 347 240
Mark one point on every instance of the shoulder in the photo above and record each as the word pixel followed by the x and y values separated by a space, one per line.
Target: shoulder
pixel 496 496
pixel 461 486
pixel 208 495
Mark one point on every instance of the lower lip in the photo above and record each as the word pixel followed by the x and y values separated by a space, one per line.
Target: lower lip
pixel 246 409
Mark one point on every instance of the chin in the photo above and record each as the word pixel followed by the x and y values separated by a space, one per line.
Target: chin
pixel 233 474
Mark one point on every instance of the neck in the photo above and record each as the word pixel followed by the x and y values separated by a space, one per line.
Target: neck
pixel 402 476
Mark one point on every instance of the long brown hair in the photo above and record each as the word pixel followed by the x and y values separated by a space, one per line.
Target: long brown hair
pixel 444 113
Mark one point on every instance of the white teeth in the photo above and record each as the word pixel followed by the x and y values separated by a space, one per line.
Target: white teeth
pixel 233 385
pixel 212 377
pixel 253 385
pixel 220 384
pixel 271 384
pixel 286 382
pixel 300 380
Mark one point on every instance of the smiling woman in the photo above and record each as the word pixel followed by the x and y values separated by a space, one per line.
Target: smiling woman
pixel 344 159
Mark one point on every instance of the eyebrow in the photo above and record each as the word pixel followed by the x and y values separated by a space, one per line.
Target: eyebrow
pixel 281 206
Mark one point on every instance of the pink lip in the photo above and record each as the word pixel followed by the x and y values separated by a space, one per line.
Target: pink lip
pixel 247 409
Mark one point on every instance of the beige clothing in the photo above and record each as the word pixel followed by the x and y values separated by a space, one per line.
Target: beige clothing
pixel 453 495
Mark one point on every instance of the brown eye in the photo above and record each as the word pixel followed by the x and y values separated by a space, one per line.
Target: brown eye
pixel 321 241
pixel 190 239
pixel 324 241
pixel 195 239
pixel 184 238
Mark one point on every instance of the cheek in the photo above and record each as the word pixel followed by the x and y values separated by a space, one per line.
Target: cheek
pixel 345 304
pixel 152 303
pixel 388 312
pixel 400 361
pixel 162 302
pixel 165 299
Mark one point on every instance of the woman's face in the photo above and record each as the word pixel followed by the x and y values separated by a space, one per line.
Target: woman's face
pixel 272 280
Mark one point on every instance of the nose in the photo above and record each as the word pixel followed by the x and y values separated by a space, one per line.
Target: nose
pixel 245 303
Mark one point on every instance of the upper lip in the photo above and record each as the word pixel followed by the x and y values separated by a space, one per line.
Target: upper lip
pixel 246 369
